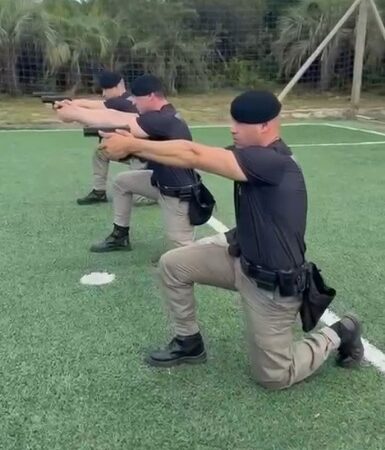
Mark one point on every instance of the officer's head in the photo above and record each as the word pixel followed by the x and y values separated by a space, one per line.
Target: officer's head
pixel 147 93
pixel 112 84
pixel 255 118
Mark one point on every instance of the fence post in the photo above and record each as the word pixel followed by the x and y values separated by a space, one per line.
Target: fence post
pixel 319 50
pixel 361 29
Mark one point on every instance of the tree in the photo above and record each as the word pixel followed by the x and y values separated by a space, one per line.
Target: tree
pixel 19 20
pixel 196 43
pixel 303 27
pixel 164 43
pixel 82 40
pixel 116 23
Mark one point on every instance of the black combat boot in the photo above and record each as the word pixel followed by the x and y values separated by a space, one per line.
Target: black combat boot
pixel 118 240
pixel 93 197
pixel 182 349
pixel 351 350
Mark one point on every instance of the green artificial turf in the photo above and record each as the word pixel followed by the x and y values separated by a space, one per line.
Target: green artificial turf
pixel 72 372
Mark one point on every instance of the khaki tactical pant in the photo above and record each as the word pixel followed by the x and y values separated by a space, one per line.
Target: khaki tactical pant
pixel 100 165
pixel 175 212
pixel 276 360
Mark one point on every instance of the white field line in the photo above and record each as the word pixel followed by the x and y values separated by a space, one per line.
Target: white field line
pixel 359 129
pixel 337 144
pixel 297 124
pixel 218 125
pixel 372 353
pixel 323 144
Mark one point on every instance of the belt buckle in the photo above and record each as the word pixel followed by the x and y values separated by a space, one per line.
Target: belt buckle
pixel 184 194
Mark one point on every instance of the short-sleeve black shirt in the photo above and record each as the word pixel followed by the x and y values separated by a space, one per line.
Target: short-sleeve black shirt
pixel 271 207
pixel 122 103
pixel 163 125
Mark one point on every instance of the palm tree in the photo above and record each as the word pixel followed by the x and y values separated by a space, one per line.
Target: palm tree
pixel 164 43
pixel 22 21
pixel 116 25
pixel 82 39
pixel 303 27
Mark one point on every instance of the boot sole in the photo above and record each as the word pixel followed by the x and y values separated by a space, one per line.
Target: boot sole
pixel 97 202
pixel 108 250
pixel 91 204
pixel 350 362
pixel 200 359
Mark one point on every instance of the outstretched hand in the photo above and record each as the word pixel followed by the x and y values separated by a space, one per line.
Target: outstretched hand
pixel 117 145
pixel 59 105
pixel 65 111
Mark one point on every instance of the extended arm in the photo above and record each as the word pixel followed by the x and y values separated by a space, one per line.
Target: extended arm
pixel 100 117
pixel 89 104
pixel 177 153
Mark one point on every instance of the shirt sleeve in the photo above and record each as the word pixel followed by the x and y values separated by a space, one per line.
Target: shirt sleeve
pixel 120 104
pixel 261 165
pixel 155 124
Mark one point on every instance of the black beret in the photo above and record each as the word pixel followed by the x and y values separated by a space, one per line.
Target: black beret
pixel 108 80
pixel 146 85
pixel 255 107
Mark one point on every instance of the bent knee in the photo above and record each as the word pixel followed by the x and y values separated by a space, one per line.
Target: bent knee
pixel 172 266
pixel 180 240
pixel 170 259
pixel 122 182
pixel 274 380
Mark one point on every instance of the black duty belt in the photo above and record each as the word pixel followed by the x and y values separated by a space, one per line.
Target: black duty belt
pixel 290 282
pixel 181 192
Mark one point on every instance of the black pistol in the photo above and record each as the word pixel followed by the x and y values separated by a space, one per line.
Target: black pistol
pixel 54 98
pixel 94 131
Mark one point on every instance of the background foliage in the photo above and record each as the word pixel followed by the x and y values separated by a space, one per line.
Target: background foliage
pixel 193 45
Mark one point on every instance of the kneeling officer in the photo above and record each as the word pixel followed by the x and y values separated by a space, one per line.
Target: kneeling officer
pixel 266 259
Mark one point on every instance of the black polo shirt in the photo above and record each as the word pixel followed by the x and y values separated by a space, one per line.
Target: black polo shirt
pixel 164 125
pixel 122 103
pixel 271 207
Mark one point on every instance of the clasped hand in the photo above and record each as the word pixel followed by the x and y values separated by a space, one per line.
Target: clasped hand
pixel 117 145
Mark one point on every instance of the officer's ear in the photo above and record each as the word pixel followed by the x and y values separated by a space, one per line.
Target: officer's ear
pixel 108 93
